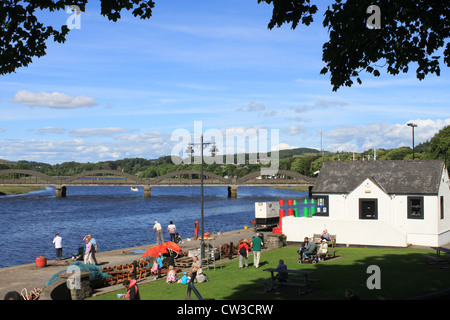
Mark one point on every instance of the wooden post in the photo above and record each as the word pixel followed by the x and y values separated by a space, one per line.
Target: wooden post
pixel 147 192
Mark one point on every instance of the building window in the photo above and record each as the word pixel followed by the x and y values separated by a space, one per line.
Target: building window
pixel 322 206
pixel 442 207
pixel 415 207
pixel 368 209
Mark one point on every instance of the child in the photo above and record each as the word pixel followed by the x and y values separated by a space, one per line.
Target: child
pixel 171 275
pixel 155 269
pixel 184 279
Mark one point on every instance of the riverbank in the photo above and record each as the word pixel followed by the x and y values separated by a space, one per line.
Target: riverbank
pixel 28 276
pixel 18 190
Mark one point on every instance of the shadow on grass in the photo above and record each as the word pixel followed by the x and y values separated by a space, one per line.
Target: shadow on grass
pixel 402 274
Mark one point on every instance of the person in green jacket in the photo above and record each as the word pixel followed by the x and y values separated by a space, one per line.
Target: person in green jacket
pixel 256 247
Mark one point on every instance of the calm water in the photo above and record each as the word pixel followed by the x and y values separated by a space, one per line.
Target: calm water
pixel 117 217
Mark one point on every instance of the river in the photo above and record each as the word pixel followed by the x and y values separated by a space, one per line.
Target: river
pixel 118 217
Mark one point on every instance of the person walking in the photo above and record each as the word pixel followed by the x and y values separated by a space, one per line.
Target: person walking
pixel 57 241
pixel 256 247
pixel 243 254
pixel 172 231
pixel 94 248
pixel 88 251
pixel 159 232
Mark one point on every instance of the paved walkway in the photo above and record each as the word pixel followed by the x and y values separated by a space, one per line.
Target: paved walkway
pixel 28 276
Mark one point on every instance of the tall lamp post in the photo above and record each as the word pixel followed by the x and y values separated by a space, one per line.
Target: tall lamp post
pixel 213 150
pixel 412 125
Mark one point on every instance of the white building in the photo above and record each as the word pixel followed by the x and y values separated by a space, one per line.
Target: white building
pixel 380 203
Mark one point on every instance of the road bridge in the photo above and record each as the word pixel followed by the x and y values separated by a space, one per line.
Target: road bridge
pixel 183 178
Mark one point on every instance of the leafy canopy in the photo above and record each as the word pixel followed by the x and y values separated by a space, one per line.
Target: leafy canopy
pixel 411 32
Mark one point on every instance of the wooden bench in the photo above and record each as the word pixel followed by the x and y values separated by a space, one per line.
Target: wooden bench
pixel 332 242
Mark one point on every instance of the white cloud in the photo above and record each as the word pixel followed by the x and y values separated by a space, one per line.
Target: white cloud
pixel 382 135
pixel 99 132
pixel 55 130
pixel 252 107
pixel 78 150
pixel 294 130
pixel 55 100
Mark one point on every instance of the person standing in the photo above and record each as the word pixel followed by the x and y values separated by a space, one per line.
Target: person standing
pixel 256 247
pixel 159 232
pixel 57 241
pixel 172 231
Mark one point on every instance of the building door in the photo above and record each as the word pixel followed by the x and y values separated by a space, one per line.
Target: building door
pixel 368 208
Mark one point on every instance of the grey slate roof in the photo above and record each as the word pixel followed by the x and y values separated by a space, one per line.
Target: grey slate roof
pixel 394 176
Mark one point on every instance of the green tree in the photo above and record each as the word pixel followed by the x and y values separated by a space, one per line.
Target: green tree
pixel 411 33
pixel 440 144
pixel 23 36
pixel 396 154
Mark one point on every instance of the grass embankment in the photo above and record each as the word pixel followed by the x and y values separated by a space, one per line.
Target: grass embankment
pixel 19 190
pixel 403 274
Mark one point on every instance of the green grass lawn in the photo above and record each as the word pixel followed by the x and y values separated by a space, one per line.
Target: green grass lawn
pixel 402 270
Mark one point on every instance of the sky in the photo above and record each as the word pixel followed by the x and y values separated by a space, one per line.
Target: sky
pixel 145 88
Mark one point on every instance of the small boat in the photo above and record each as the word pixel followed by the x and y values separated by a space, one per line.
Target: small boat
pixel 134 188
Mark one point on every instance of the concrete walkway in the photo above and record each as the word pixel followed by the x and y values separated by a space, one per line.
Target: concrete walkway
pixel 28 276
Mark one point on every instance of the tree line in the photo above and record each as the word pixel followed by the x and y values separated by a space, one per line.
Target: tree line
pixel 305 161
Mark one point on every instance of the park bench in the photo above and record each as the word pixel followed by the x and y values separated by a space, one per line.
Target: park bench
pixel 332 242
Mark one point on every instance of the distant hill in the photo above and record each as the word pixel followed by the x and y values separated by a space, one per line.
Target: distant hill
pixel 297 152
pixel 7 161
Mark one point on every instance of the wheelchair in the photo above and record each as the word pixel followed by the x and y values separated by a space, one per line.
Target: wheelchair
pixel 310 257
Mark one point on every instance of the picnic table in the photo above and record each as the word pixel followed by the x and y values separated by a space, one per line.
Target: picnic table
pixel 437 258
pixel 303 282
pixel 439 249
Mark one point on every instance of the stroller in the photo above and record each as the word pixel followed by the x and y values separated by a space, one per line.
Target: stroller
pixel 307 257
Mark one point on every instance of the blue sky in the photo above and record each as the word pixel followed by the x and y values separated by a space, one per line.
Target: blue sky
pixel 120 90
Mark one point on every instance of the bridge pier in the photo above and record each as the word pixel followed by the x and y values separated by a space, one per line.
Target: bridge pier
pixel 147 192
pixel 60 191
pixel 232 191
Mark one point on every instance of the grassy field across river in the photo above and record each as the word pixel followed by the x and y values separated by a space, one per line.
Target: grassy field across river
pixel 19 189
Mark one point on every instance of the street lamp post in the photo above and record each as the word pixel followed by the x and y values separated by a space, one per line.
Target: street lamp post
pixel 190 150
pixel 412 125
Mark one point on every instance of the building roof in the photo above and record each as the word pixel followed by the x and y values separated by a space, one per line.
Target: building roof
pixel 394 176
